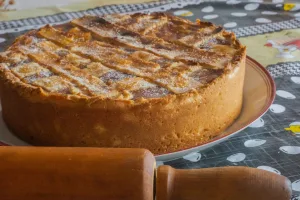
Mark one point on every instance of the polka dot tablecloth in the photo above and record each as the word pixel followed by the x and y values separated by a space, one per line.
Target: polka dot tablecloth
pixel 271 32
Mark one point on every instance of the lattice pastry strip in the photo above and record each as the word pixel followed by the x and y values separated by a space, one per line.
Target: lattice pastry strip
pixel 137 85
pixel 76 34
pixel 106 30
pixel 181 78
pixel 31 70
pixel 165 27
pixel 12 57
pixel 32 73
pixel 64 55
pixel 47 53
pixel 57 84
pixel 133 62
pixel 141 23
pixel 70 72
pixel 102 52
pixel 115 58
pixel 199 35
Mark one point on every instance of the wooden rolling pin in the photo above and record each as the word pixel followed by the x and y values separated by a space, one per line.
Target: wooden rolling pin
pixel 42 173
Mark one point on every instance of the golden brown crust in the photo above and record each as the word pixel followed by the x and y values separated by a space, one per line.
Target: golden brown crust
pixel 117 81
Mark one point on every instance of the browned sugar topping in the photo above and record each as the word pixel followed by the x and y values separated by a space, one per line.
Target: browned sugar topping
pixel 122 56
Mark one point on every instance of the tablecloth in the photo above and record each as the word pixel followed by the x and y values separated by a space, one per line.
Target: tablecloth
pixel 271 32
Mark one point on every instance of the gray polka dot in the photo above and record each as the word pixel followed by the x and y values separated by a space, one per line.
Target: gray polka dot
pixel 207 9
pixel 263 20
pixel 239 14
pixel 277 1
pixel 233 2
pixel 230 24
pixel 269 13
pixel 251 6
pixel 210 16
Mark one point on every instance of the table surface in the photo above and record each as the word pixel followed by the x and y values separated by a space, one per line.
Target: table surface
pixel 271 32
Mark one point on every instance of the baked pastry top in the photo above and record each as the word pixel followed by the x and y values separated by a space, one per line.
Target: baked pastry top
pixel 122 57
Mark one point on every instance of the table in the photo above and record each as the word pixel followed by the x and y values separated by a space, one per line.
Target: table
pixel 271 32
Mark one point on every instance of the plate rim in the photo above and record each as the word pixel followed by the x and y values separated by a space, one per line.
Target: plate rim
pixel 263 111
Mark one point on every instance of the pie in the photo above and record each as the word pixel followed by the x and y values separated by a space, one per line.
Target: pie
pixel 150 81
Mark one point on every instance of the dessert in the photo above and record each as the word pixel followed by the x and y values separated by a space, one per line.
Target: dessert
pixel 151 81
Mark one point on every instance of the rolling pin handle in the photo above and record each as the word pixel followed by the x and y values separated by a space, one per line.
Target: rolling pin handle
pixel 224 183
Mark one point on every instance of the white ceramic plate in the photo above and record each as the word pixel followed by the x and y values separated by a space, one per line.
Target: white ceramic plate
pixel 259 93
